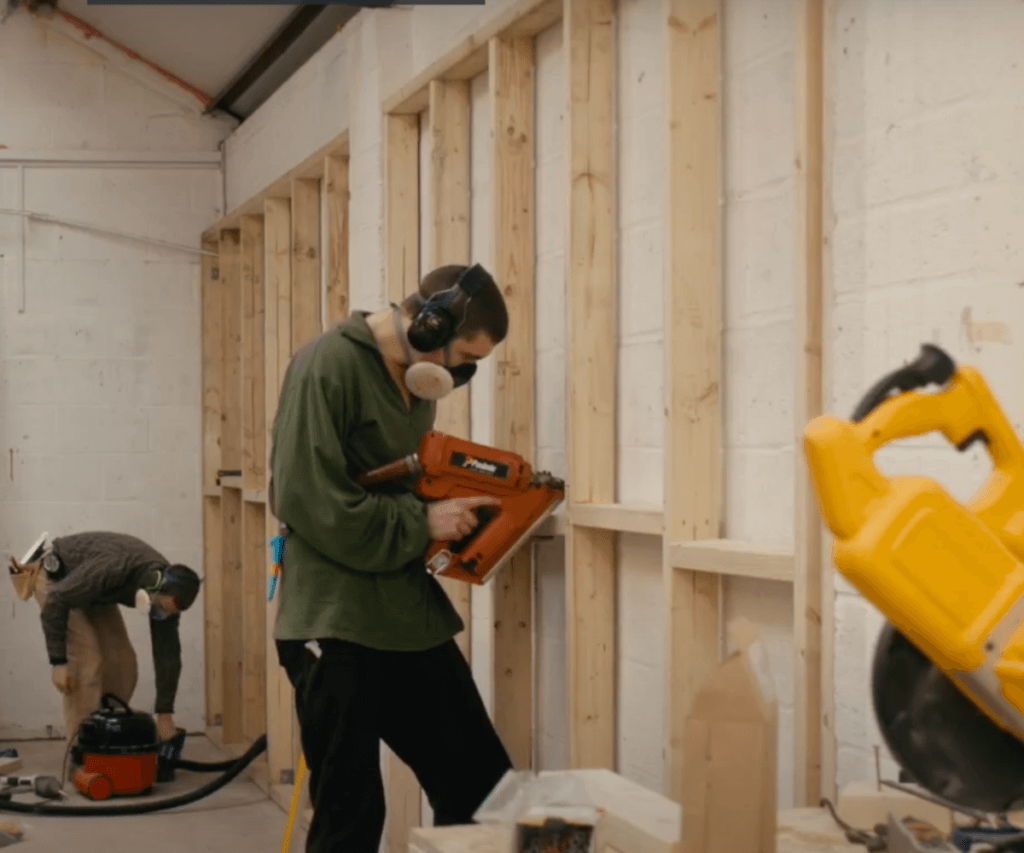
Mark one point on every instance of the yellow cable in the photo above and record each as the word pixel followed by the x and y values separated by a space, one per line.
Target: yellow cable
pixel 296 795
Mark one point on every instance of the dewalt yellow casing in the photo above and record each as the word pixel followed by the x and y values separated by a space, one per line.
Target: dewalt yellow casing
pixel 948 575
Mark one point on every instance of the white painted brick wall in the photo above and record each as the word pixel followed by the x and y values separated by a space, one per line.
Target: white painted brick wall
pixel 100 377
pixel 758 355
pixel 549 557
pixel 641 156
pixel 927 202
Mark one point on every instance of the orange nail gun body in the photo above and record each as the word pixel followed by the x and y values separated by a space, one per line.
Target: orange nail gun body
pixel 449 467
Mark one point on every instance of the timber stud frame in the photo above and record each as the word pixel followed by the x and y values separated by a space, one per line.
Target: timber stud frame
pixel 268 279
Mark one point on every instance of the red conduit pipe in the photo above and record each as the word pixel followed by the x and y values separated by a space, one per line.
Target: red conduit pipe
pixel 91 32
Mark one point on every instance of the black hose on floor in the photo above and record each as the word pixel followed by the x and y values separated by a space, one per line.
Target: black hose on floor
pixel 234 768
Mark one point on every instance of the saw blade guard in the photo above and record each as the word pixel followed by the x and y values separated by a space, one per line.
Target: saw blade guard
pixel 948 575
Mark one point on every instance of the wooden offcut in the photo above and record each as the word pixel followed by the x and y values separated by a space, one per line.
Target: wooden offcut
pixel 811 723
pixel 281 754
pixel 693 481
pixel 589 45
pixel 336 191
pixel 511 79
pixel 448 233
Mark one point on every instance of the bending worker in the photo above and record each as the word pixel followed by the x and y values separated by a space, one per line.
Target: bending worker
pixel 79 581
pixel 364 632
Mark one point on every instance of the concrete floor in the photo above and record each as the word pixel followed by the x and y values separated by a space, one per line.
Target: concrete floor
pixel 239 817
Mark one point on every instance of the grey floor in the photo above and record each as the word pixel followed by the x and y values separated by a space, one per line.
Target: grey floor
pixel 240 816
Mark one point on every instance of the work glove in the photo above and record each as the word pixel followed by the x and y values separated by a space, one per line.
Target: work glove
pixel 63 680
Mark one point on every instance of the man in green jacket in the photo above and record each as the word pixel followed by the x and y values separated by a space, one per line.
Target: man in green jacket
pixel 364 632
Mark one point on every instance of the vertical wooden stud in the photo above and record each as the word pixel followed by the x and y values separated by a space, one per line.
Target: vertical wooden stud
pixel 401 206
pixel 305 302
pixel 213 345
pixel 281 734
pixel 511 62
pixel 693 356
pixel 232 626
pixel 336 190
pixel 812 588
pixel 449 244
pixel 591 334
pixel 253 470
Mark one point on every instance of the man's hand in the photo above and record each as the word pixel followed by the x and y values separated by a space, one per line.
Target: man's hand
pixel 454 518
pixel 63 680
pixel 165 728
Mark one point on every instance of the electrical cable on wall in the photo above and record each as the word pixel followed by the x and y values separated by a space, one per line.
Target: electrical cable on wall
pixel 84 226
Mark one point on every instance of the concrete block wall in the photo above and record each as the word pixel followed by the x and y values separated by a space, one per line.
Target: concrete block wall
pixel 640 155
pixel 100 386
pixel 926 203
pixel 549 557
pixel 758 63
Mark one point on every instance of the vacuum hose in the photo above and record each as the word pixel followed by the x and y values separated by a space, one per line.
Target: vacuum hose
pixel 231 768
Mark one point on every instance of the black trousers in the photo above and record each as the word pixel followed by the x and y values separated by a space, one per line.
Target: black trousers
pixel 424 705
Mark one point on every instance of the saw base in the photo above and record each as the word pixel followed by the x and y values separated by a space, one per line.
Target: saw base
pixel 939 736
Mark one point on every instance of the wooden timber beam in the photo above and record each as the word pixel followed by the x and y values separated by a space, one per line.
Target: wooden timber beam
pixel 282 755
pixel 693 281
pixel 511 76
pixel 449 195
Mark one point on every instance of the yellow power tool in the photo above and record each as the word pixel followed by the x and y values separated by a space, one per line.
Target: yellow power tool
pixel 948 673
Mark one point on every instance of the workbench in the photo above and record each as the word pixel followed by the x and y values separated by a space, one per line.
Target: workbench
pixel 636 820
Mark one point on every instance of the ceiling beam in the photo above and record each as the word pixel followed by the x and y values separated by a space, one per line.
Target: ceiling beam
pixel 294 26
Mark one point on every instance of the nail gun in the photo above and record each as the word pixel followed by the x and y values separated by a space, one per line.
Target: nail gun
pixel 948 673
pixel 449 467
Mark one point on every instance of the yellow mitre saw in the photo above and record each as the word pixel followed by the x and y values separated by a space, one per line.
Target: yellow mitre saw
pixel 948 674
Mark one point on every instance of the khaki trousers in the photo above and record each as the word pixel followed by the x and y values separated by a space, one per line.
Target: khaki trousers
pixel 100 658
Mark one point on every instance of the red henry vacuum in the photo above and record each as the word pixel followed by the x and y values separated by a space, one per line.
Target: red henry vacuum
pixel 117 751
pixel 119 754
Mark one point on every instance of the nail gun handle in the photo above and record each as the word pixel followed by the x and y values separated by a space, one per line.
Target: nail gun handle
pixel 393 471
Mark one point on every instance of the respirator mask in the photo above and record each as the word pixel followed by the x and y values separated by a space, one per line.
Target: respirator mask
pixel 424 379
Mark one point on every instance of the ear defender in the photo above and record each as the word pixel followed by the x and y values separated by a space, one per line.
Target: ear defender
pixel 439 320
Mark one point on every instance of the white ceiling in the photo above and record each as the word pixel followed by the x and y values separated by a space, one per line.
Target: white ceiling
pixel 206 46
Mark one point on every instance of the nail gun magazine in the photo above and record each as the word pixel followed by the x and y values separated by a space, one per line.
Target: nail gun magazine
pixel 448 467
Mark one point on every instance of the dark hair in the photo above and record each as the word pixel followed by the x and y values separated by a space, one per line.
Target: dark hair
pixel 182 584
pixel 486 312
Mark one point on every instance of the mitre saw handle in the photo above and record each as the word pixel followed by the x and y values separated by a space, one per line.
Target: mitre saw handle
pixel 932 366
pixel 964 411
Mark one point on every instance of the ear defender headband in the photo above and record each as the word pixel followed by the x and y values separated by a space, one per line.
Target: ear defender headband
pixel 435 325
